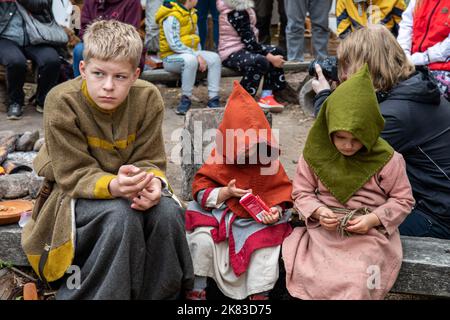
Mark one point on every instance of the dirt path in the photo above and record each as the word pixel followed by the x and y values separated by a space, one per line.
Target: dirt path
pixel 292 123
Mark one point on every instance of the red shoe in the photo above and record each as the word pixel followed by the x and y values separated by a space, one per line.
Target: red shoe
pixel 269 103
pixel 196 295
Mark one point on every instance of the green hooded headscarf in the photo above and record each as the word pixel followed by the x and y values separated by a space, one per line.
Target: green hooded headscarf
pixel 352 107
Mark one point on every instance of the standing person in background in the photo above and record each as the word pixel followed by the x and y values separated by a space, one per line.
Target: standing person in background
pixel 354 14
pixel 263 9
pixel 296 13
pixel 424 35
pixel 204 7
pixel 128 11
pixel 151 27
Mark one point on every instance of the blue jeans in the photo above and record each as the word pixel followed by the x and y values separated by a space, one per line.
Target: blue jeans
pixel 418 224
pixel 296 13
pixel 203 8
pixel 77 57
pixel 187 65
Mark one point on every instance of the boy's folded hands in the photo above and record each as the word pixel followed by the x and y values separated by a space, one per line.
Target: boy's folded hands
pixel 149 196
pixel 136 185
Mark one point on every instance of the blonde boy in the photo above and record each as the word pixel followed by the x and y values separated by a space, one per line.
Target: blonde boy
pixel 110 213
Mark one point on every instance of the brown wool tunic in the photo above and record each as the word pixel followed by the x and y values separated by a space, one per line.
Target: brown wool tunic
pixel 84 149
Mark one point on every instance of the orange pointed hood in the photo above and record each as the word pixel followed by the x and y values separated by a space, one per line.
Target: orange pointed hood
pixel 246 150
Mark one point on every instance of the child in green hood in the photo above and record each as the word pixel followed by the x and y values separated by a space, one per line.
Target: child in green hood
pixel 352 191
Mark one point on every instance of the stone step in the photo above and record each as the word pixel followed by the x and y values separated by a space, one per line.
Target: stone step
pixel 425 269
pixel 10 247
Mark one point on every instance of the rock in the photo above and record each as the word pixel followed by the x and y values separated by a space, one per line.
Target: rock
pixel 25 158
pixel 8 141
pixel 11 167
pixel 10 247
pixel 38 145
pixel 306 97
pixel 35 185
pixel 27 140
pixel 6 135
pixel 197 125
pixel 13 186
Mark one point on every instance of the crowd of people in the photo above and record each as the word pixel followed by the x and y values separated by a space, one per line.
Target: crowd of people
pixel 376 162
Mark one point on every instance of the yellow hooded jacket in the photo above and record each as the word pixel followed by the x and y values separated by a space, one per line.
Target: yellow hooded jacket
pixel 188 24
pixel 351 16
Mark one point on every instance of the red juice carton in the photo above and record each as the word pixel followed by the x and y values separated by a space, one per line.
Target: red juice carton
pixel 254 206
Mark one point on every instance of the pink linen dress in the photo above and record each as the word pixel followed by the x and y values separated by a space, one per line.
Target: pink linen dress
pixel 321 264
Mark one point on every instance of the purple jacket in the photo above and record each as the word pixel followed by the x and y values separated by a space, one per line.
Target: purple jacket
pixel 229 40
pixel 128 11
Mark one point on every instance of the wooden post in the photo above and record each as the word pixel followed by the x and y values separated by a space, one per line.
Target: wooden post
pixel 209 44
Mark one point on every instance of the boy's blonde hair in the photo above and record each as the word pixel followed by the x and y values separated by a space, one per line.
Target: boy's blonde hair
pixel 376 46
pixel 112 40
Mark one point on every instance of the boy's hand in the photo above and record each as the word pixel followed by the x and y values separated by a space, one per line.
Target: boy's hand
pixel 129 181
pixel 202 65
pixel 321 82
pixel 277 61
pixel 271 217
pixel 362 224
pixel 149 196
pixel 327 218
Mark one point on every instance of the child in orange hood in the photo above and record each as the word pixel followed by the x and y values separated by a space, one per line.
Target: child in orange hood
pixel 226 243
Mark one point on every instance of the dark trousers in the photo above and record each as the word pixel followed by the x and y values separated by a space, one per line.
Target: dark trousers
pixel 14 58
pixel 254 67
pixel 127 254
pixel 204 7
pixel 419 224
pixel 263 10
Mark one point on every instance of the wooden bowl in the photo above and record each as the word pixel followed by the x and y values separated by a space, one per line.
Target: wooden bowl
pixel 11 210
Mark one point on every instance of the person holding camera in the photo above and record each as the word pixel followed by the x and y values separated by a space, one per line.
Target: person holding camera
pixel 16 48
pixel 417 122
